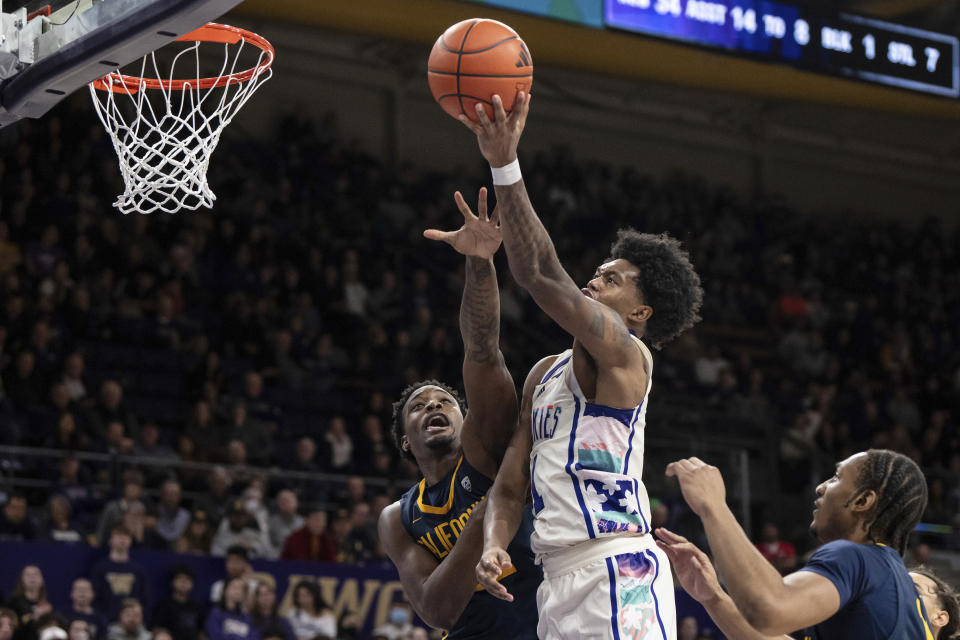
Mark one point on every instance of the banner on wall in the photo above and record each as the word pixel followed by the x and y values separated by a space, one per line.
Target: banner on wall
pixel 369 591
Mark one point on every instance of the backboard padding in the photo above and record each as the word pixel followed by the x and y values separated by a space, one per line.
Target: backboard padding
pixel 112 33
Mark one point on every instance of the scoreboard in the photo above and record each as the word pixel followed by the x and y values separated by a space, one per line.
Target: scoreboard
pixel 840 44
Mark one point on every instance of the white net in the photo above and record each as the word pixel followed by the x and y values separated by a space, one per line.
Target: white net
pixel 164 130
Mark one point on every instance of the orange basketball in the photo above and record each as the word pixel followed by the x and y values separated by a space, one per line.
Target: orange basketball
pixel 475 59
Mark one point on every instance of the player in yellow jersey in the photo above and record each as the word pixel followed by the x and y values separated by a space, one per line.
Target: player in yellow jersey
pixel 434 532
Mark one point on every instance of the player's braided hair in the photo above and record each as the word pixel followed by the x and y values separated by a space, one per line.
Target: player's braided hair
pixel 901 496
pixel 667 282
pixel 948 599
pixel 396 426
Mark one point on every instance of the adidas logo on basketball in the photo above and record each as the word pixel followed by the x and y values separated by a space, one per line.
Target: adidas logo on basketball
pixel 524 60
pixel 465 483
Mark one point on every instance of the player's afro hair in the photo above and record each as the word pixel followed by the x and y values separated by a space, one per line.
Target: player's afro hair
pixel 396 425
pixel 667 282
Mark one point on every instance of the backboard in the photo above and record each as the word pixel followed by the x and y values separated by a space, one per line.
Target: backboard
pixel 48 52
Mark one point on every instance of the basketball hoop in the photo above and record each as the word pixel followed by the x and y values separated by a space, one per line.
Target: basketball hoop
pixel 165 140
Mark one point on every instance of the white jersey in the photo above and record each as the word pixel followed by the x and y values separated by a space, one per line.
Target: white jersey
pixel 586 463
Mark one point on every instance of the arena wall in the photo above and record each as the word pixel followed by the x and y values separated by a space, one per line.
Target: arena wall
pixel 817 158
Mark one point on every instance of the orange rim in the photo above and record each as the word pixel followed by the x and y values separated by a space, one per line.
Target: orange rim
pixel 210 32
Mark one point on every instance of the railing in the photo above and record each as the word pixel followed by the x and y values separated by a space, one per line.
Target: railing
pixel 733 458
pixel 23 466
pixel 15 470
pixel 749 465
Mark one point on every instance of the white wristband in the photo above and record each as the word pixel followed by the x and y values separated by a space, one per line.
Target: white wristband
pixel 509 174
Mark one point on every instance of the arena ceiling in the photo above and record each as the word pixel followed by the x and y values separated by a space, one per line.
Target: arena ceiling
pixel 936 15
pixel 616 54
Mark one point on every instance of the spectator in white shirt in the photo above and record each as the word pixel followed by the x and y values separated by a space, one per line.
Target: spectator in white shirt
pixel 236 565
pixel 238 528
pixel 310 615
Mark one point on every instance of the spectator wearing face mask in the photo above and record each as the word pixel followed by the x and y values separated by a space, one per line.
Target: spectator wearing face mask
pixel 398 625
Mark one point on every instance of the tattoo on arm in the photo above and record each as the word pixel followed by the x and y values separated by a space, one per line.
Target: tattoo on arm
pixel 480 312
pixel 528 244
pixel 533 260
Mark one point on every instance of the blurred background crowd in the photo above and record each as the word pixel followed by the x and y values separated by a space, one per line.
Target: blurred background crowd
pixel 221 382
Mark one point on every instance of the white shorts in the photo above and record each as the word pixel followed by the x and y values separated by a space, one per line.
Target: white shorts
pixel 610 589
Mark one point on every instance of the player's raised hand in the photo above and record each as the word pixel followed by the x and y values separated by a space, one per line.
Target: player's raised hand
pixel 701 484
pixel 694 570
pixel 493 563
pixel 499 137
pixel 480 234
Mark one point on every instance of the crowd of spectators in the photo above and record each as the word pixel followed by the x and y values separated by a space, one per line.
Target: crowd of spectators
pixel 272 529
pixel 112 602
pixel 274 331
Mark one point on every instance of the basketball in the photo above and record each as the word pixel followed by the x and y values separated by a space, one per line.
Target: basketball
pixel 475 59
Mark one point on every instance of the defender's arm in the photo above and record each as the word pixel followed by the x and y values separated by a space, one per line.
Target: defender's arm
pixel 770 603
pixel 491 395
pixel 696 575
pixel 509 493
pixel 731 622
pixel 438 591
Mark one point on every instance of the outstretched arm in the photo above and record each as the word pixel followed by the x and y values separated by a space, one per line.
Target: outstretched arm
pixel 530 251
pixel 508 495
pixel 438 591
pixel 771 604
pixel 696 575
pixel 491 395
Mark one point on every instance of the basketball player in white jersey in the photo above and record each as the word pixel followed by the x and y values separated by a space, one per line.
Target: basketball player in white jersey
pixel 582 453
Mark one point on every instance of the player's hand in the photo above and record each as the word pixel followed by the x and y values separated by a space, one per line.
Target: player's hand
pixel 499 137
pixel 694 570
pixel 701 484
pixel 480 234
pixel 493 563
